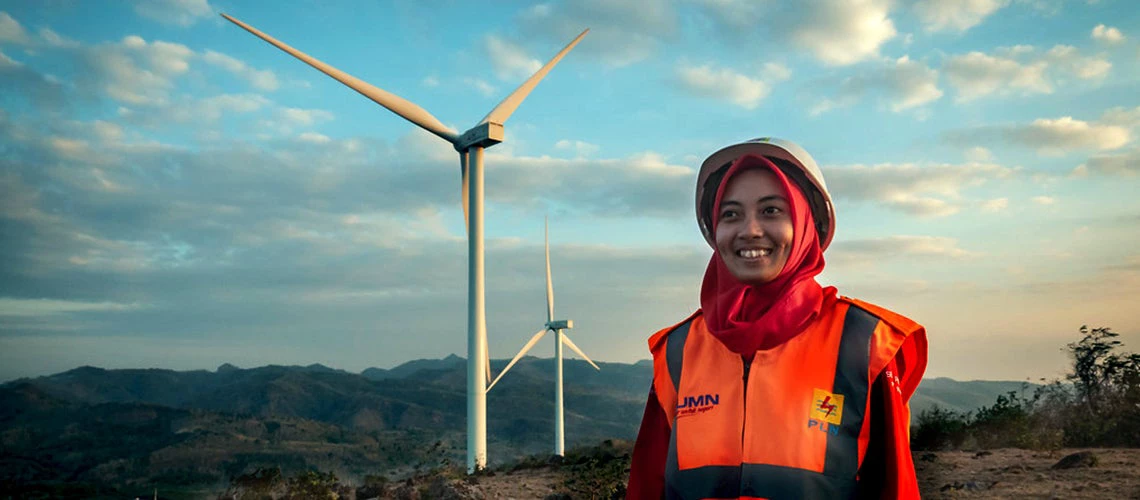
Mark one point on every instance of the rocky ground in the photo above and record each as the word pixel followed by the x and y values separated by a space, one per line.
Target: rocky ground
pixel 1011 473
pixel 600 473
pixel 1004 473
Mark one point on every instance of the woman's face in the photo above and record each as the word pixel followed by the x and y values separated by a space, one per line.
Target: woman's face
pixel 754 227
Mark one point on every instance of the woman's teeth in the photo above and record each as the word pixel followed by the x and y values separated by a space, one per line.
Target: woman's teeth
pixel 754 253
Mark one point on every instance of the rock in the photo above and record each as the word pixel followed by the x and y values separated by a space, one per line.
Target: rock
pixel 983 453
pixel 558 496
pixel 447 489
pixel 406 492
pixel 1079 459
pixel 1014 469
pixel 968 486
pixel 928 457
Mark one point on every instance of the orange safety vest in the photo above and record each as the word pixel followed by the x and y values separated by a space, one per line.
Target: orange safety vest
pixel 790 424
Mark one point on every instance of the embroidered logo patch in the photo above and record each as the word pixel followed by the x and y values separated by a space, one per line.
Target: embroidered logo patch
pixel 827 407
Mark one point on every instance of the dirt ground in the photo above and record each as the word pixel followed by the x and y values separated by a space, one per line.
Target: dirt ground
pixel 1024 474
pixel 1001 473
pixel 528 484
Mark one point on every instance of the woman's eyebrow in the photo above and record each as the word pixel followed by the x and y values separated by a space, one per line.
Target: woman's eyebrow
pixel 772 197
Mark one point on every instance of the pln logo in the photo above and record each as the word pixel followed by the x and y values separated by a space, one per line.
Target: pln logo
pixel 692 405
pixel 826 412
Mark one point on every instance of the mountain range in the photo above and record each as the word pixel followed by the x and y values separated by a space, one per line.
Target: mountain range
pixel 192 431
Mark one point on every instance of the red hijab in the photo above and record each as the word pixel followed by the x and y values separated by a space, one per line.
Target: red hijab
pixel 747 318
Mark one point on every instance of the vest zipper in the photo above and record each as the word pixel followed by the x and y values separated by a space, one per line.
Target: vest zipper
pixel 747 368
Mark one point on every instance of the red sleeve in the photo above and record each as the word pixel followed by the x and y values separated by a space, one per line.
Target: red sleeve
pixel 888 468
pixel 647 468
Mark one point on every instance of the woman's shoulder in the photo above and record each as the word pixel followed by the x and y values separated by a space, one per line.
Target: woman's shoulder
pixel 659 337
pixel 892 318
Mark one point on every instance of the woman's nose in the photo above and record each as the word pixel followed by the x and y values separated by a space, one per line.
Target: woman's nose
pixel 753 227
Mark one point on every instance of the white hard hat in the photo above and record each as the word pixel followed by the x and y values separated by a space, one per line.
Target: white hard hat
pixel 805 173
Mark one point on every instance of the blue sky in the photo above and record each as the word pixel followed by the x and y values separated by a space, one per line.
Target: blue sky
pixel 177 193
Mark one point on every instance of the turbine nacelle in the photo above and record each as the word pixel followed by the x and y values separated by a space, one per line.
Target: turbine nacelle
pixel 562 324
pixel 483 135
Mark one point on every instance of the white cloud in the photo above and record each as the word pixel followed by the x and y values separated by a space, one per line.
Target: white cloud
pixel 977 74
pixel 1044 200
pixel 955 15
pixel 930 190
pixel 835 32
pixel 313 137
pixel 480 85
pixel 978 154
pixel 739 16
pixel 1048 136
pixel 722 83
pixel 49 307
pixel 622 32
pixel 776 72
pixel 11 31
pixel 1107 34
pixel 260 79
pixel 1063 134
pixel 839 32
pixel 995 205
pixel 306 117
pixel 878 249
pixel 1125 163
pixel 176 12
pixel 905 84
pixel 53 39
pixel 430 81
pixel 1121 116
pixel 1022 69
pixel 911 83
pixel 510 61
pixel 1067 59
pixel 135 71
pixel 580 148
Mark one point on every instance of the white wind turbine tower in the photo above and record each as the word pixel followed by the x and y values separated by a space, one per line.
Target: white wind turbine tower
pixel 470 145
pixel 560 338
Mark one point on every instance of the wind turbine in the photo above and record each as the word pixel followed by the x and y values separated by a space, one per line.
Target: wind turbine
pixel 470 146
pixel 560 338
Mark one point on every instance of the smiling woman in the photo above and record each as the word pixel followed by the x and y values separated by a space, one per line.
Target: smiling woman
pixel 776 387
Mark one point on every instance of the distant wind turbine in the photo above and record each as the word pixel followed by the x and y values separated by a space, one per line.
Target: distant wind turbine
pixel 470 145
pixel 560 338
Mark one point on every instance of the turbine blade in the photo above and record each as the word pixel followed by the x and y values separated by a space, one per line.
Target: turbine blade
pixel 395 103
pixel 549 283
pixel 504 109
pixel 487 358
pixel 570 343
pixel 464 166
pixel 533 340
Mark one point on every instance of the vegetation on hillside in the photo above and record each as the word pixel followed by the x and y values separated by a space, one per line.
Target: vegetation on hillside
pixel 1097 404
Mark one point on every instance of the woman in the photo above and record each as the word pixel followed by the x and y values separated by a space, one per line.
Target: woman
pixel 777 387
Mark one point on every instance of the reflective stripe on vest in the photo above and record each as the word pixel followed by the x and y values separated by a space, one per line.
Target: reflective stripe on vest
pixel 841 462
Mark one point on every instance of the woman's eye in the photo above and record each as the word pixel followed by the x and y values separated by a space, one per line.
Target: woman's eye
pixel 728 214
pixel 773 211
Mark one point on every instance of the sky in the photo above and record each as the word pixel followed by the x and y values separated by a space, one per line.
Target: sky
pixel 176 193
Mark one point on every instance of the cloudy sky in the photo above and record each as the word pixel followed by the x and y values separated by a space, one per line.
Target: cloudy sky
pixel 176 193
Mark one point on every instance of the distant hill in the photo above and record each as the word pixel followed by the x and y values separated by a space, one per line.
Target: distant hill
pixel 190 428
pixel 962 396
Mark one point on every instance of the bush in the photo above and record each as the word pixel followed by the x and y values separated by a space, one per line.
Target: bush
pixel 940 429
pixel 313 485
pixel 1100 406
